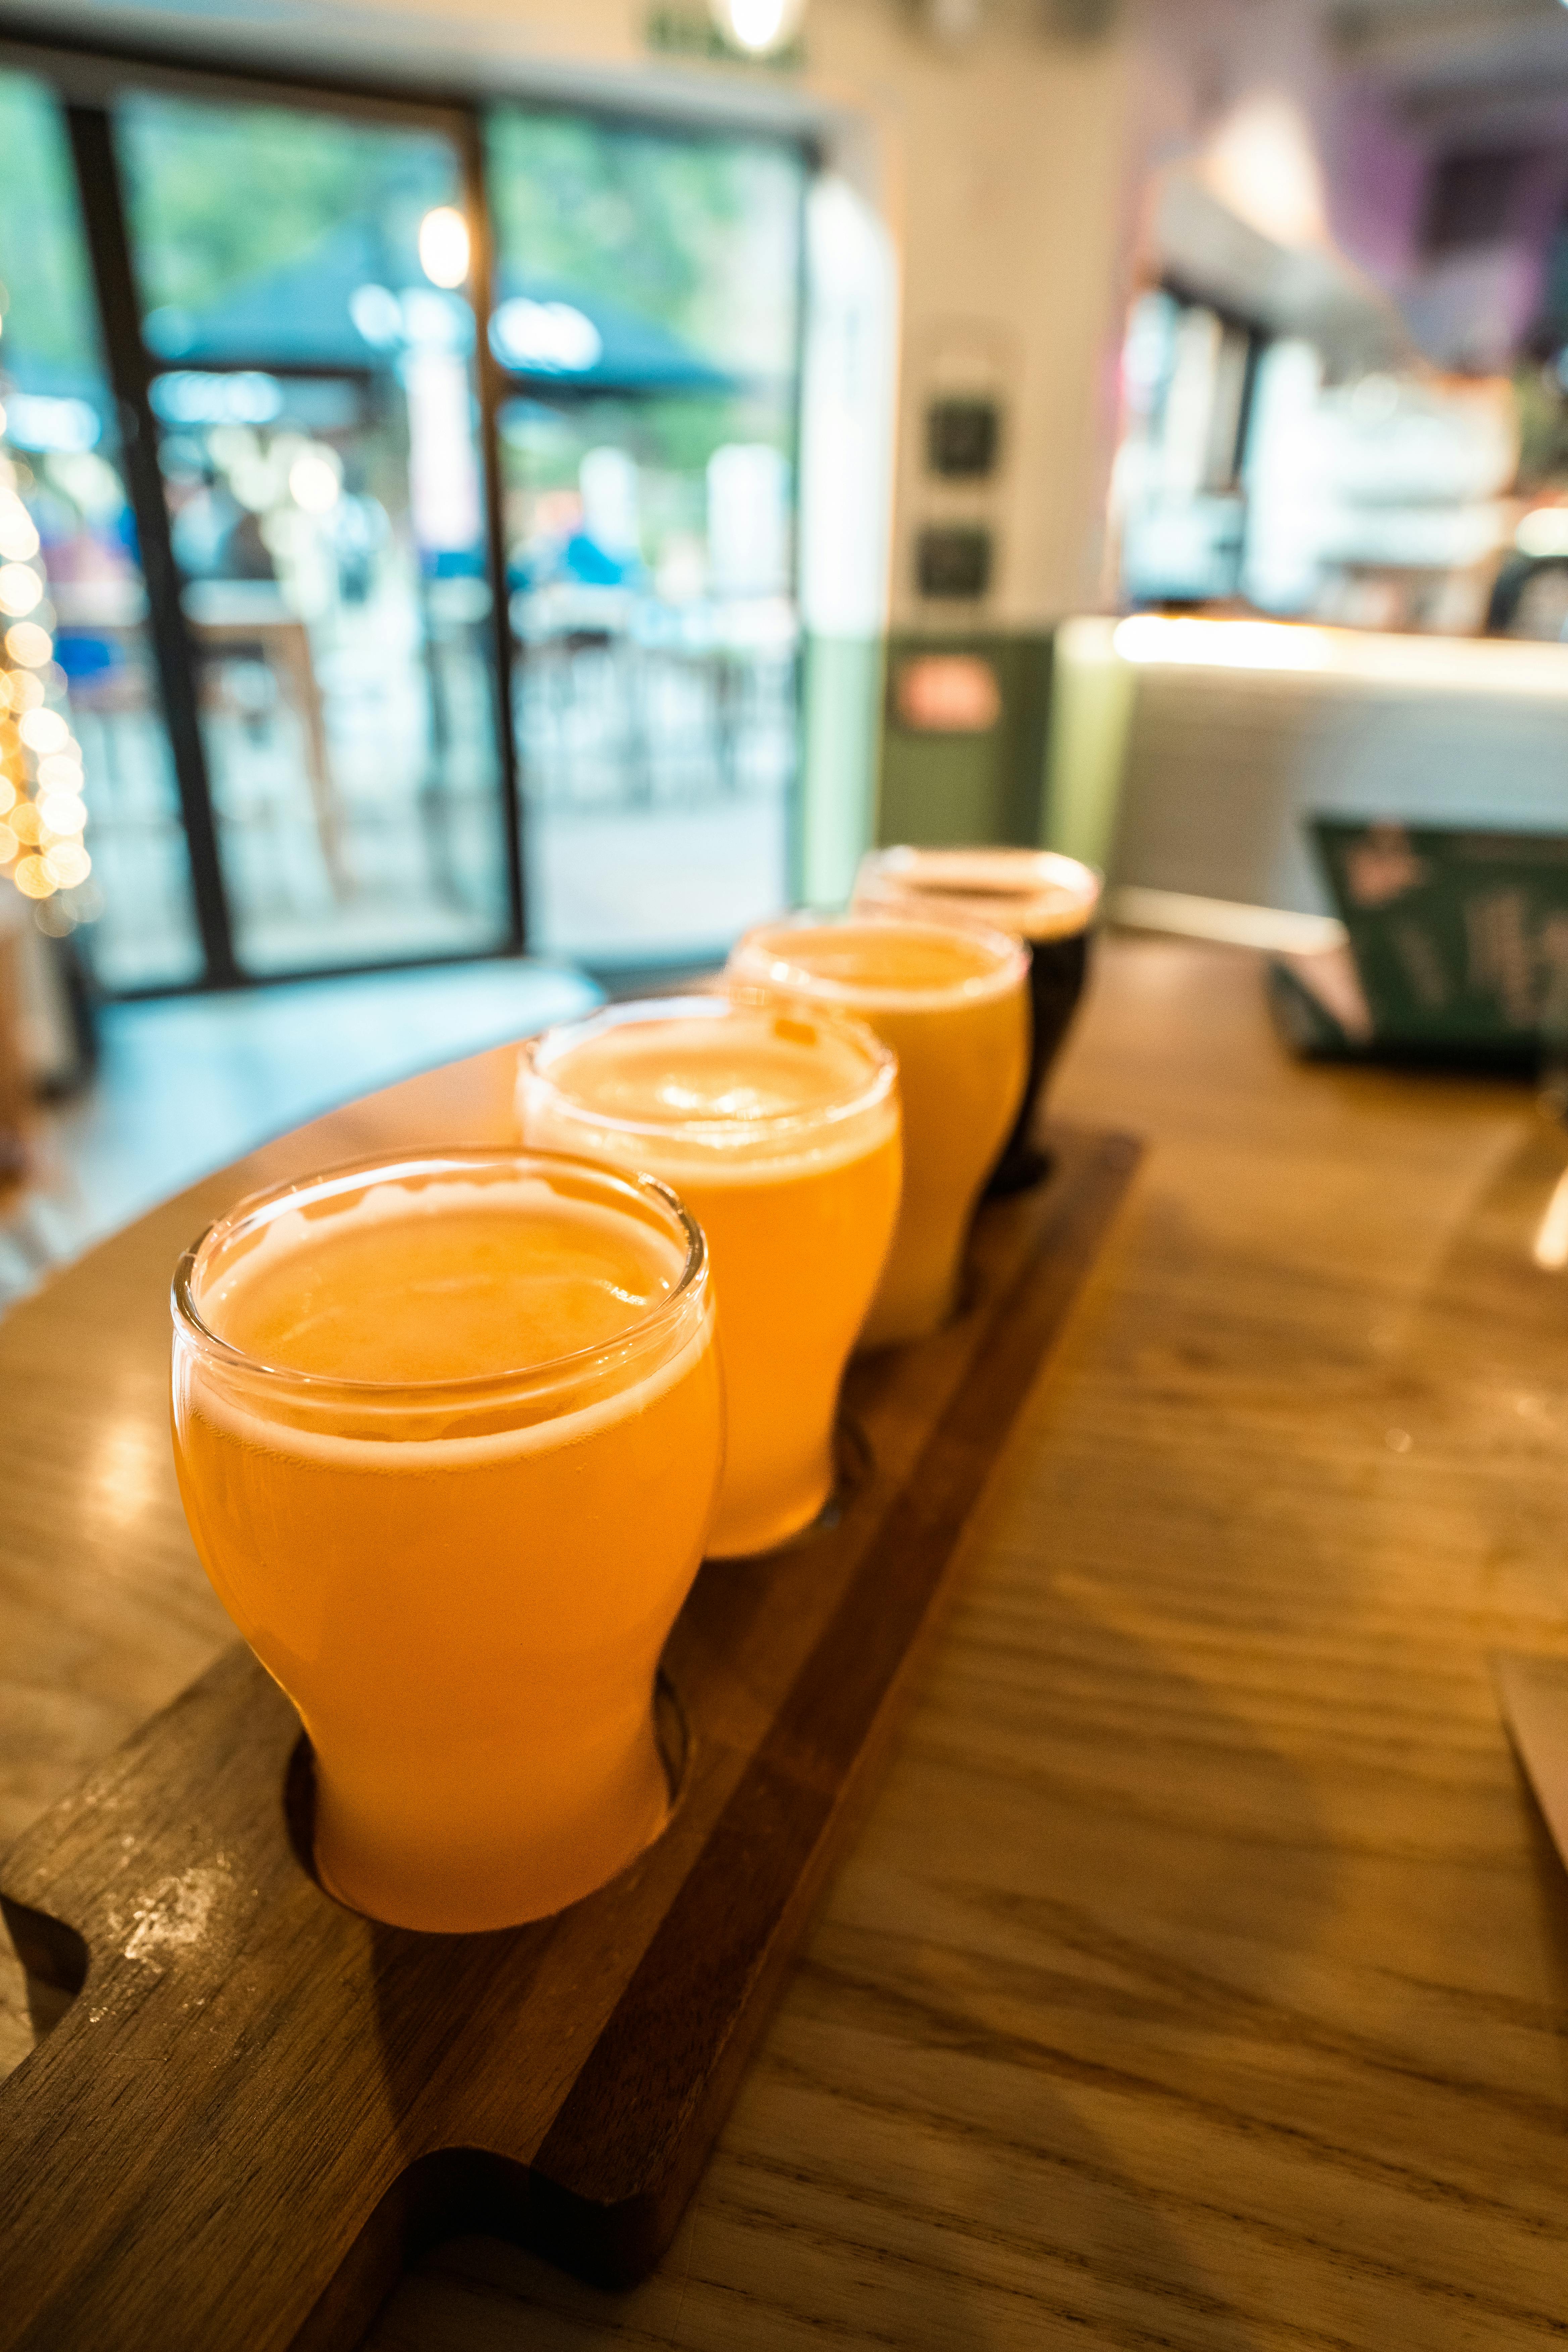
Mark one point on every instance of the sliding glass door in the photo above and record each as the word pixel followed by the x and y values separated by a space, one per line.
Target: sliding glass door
pixel 354 602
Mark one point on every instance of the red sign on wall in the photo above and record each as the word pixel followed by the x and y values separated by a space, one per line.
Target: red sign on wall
pixel 947 694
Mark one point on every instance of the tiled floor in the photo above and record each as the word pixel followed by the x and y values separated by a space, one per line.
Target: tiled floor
pixel 188 1083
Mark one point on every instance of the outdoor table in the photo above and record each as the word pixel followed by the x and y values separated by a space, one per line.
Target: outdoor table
pixel 238 617
pixel 1200 1977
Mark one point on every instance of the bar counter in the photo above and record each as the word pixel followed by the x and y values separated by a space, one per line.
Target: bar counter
pixel 1200 1977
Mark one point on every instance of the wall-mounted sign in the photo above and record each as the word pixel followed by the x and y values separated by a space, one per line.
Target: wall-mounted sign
pixel 963 438
pixel 1461 939
pixel 946 694
pixel 953 559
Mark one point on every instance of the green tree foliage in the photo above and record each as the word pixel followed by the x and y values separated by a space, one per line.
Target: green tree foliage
pixel 700 234
pixel 682 230
pixel 220 195
pixel 49 312
pixel 671 227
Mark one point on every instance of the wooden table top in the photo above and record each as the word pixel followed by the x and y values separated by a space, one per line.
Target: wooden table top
pixel 1201 1978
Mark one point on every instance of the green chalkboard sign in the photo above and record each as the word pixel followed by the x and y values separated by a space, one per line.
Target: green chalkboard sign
pixel 1460 937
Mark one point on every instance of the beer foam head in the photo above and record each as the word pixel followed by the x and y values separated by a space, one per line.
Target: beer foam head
pixel 411 1282
pixel 1035 894
pixel 710 1085
pixel 479 1301
pixel 882 961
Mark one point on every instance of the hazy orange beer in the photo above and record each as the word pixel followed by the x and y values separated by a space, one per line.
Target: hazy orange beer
pixel 779 1130
pixel 448 1432
pixel 950 1000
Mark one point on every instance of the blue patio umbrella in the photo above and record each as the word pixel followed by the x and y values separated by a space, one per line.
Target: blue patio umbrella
pixel 358 295
pixel 300 314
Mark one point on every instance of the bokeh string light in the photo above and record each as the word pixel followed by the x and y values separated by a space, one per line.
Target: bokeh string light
pixel 43 804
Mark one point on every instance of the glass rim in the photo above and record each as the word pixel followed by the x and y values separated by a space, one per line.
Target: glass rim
pixel 1011 955
pixel 351 1175
pixel 724 1133
pixel 1064 892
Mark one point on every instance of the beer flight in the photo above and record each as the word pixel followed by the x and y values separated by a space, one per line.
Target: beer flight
pixel 454 1431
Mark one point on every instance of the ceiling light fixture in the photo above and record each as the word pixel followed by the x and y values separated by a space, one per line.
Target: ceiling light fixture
pixel 444 245
pixel 1262 163
pixel 956 22
pixel 760 27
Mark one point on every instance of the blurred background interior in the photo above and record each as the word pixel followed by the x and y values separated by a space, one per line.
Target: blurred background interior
pixel 493 500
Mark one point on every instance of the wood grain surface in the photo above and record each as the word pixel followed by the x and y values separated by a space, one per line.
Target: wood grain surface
pixel 1200 1977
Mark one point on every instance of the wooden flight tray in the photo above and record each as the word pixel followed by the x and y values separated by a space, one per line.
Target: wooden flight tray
pixel 258 2104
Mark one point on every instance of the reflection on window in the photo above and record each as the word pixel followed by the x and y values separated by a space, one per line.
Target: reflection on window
pixel 1178 499
pixel 1247 470
pixel 646 324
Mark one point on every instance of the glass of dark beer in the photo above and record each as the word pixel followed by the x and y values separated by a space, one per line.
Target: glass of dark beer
pixel 1040 897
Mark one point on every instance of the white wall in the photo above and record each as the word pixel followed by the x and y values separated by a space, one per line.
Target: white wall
pixel 1001 168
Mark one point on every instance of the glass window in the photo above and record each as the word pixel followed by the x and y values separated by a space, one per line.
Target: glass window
pixel 321 457
pixel 646 321
pixel 135 905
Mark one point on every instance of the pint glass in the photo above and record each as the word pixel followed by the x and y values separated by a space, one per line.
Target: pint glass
pixel 1039 896
pixel 447 1432
pixel 779 1128
pixel 950 1000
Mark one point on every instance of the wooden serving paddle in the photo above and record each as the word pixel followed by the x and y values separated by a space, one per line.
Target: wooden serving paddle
pixel 258 2102
pixel 1533 1691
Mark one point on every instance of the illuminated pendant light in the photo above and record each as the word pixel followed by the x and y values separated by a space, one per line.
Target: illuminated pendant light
pixel 760 27
pixel 444 245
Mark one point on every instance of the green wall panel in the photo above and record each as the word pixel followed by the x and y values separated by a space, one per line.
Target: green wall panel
pixel 942 789
pixel 842 690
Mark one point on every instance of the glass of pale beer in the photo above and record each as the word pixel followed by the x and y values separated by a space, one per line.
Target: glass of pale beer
pixel 448 1432
pixel 780 1127
pixel 950 1000
pixel 1040 895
